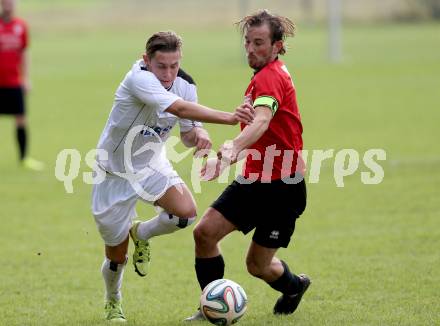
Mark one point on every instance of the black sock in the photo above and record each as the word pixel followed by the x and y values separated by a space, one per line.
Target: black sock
pixel 288 283
pixel 22 141
pixel 209 269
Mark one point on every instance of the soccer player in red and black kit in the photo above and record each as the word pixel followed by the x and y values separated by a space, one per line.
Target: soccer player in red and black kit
pixel 271 194
pixel 14 80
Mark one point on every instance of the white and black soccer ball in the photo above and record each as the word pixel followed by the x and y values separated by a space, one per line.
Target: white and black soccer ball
pixel 223 302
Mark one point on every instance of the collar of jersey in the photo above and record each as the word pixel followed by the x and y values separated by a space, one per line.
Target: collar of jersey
pixel 257 71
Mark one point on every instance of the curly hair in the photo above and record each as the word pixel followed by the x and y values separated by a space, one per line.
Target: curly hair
pixel 280 27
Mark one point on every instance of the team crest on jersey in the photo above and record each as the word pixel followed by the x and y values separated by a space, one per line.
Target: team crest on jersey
pixel 17 29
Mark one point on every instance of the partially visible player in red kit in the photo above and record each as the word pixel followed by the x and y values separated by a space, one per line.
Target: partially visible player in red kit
pixel 271 194
pixel 14 79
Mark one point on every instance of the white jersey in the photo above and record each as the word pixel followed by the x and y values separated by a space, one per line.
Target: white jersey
pixel 138 119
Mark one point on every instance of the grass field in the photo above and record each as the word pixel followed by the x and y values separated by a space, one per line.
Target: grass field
pixel 372 251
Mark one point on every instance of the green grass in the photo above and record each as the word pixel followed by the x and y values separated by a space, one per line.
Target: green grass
pixel 371 250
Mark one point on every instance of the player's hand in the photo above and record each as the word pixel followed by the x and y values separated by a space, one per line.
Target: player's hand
pixel 211 169
pixel 228 153
pixel 27 86
pixel 244 113
pixel 203 143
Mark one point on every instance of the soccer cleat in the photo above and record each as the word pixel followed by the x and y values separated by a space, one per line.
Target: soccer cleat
pixel 287 304
pixel 141 254
pixel 198 316
pixel 113 311
pixel 32 164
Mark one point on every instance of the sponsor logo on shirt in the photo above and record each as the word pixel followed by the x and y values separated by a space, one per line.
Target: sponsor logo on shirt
pixel 150 131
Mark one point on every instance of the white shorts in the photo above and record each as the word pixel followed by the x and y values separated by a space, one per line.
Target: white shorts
pixel 114 200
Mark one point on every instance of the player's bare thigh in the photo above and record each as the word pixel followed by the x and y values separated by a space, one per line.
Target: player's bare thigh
pixel 178 201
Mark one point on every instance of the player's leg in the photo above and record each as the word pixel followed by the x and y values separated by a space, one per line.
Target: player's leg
pixel 275 232
pixel 178 210
pixel 231 211
pixel 275 227
pixel 209 263
pixel 112 270
pixel 262 263
pixel 12 103
pixel 22 135
pixel 113 206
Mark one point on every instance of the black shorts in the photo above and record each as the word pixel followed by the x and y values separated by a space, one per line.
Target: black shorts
pixel 270 208
pixel 12 101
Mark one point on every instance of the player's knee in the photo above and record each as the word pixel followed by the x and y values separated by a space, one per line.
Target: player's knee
pixel 20 121
pixel 118 259
pixel 254 269
pixel 202 235
pixel 117 254
pixel 186 211
pixel 199 234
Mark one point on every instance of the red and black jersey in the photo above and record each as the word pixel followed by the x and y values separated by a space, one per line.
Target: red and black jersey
pixel 272 86
pixel 13 41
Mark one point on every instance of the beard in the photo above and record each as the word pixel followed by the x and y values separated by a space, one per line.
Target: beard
pixel 256 63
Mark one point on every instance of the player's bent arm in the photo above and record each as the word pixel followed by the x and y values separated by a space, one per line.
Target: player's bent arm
pixel 251 133
pixel 193 111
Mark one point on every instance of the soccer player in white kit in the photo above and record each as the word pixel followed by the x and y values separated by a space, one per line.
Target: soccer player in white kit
pixel 154 95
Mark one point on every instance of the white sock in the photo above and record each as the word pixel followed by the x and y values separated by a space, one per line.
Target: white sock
pixel 112 274
pixel 163 223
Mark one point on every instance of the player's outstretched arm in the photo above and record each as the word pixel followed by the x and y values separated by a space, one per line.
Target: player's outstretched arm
pixel 248 136
pixel 193 111
pixel 229 151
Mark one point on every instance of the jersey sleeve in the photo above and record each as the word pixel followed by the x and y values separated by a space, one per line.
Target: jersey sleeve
pixel 190 96
pixel 25 36
pixel 148 89
pixel 268 90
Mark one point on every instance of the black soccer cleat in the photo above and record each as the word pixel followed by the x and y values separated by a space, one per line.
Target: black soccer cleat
pixel 287 304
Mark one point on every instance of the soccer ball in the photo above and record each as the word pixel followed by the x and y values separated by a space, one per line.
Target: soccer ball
pixel 223 302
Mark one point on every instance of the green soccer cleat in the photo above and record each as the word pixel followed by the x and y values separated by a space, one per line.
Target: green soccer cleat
pixel 113 311
pixel 32 164
pixel 141 255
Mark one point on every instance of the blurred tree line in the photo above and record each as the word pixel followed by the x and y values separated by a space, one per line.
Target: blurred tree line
pixel 432 7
